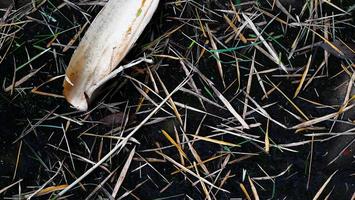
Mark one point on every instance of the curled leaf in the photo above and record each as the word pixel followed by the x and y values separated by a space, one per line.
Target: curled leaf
pixel 106 42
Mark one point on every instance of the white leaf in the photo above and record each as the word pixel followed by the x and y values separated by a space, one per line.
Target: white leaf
pixel 107 41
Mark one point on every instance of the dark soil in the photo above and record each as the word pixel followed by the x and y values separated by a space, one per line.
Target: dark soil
pixel 43 147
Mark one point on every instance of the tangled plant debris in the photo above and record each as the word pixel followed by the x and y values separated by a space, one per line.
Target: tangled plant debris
pixel 239 99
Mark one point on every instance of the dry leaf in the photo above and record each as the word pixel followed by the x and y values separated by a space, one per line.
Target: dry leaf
pixel 116 119
pixel 109 38
pixel 340 49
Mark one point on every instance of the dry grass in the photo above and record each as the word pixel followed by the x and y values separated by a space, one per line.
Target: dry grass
pixel 215 95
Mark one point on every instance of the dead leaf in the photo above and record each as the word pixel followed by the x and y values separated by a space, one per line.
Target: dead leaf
pixel 116 119
pixel 106 42
pixel 340 49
